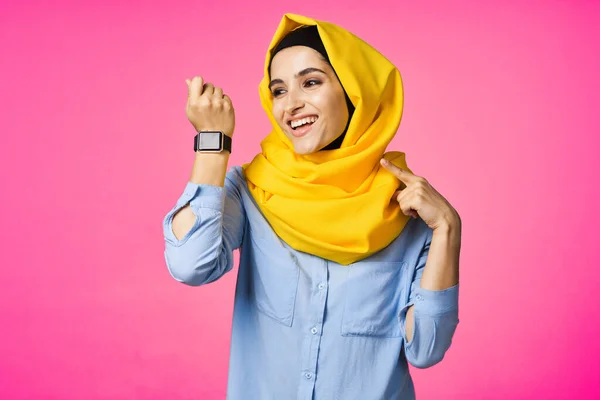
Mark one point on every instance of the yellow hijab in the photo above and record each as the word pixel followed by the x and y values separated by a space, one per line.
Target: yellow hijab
pixel 335 204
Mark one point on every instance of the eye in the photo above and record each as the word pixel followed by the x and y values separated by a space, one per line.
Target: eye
pixel 309 83
pixel 276 92
pixel 315 81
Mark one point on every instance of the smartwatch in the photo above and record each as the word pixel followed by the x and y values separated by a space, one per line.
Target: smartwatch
pixel 212 142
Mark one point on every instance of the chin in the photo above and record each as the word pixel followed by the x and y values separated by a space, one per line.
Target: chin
pixel 311 143
pixel 306 145
pixel 302 150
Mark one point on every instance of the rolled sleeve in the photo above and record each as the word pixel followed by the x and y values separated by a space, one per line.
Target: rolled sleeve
pixel 435 316
pixel 209 197
pixel 435 303
pixel 202 199
pixel 435 321
pixel 205 252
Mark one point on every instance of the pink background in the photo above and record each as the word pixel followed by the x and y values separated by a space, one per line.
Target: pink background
pixel 501 116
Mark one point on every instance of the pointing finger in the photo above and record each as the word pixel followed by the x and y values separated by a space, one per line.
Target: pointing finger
pixel 404 176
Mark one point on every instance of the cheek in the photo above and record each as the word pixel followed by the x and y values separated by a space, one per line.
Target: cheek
pixel 277 114
pixel 338 111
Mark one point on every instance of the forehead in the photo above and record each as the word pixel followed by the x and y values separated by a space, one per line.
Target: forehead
pixel 292 59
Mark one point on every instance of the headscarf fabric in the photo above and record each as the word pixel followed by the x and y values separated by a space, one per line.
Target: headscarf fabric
pixel 335 204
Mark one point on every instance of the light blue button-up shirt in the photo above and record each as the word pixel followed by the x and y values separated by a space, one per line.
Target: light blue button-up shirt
pixel 304 327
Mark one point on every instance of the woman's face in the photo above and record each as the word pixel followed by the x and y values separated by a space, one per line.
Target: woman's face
pixel 304 85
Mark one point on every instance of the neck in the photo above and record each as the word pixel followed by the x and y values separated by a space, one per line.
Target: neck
pixel 336 144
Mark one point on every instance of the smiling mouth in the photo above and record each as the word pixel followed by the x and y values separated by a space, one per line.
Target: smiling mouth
pixel 289 123
pixel 303 129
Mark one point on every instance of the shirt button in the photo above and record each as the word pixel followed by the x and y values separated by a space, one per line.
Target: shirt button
pixel 321 286
pixel 419 297
pixel 308 375
pixel 314 330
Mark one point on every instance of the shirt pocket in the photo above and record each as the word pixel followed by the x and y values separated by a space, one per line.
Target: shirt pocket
pixel 373 293
pixel 274 278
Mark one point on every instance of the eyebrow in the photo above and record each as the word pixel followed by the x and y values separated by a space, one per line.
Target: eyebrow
pixel 305 71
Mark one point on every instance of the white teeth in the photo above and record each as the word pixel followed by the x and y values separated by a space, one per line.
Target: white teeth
pixel 303 121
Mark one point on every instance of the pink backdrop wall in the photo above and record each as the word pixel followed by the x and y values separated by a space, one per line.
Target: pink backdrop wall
pixel 501 116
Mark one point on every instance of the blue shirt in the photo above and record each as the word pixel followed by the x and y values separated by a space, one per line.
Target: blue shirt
pixel 304 327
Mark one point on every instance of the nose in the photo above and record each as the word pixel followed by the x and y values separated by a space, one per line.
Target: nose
pixel 294 101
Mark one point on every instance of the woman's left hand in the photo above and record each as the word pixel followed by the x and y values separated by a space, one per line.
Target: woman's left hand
pixel 420 199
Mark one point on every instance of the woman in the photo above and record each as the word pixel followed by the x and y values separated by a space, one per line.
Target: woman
pixel 338 287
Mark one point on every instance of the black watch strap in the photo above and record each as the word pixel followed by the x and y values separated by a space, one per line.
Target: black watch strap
pixel 226 140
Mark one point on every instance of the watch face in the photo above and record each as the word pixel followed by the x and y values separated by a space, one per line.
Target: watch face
pixel 210 141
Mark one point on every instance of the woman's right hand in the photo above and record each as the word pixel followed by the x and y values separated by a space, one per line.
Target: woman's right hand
pixel 207 108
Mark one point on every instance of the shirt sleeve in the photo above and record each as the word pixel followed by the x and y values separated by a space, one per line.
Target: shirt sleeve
pixel 435 317
pixel 205 253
